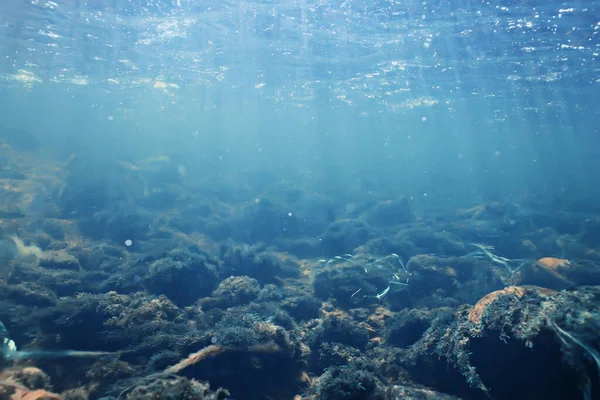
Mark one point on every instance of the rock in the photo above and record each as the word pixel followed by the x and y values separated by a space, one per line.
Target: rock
pixel 54 228
pixel 406 327
pixel 345 235
pixel 33 378
pixel 389 213
pixel 264 221
pixel 76 394
pixel 233 291
pixel 182 276
pixel 402 392
pixel 118 225
pixel 59 260
pixel 339 279
pixel 174 387
pixel 557 273
pixel 478 310
pixel 488 211
pixel 446 281
pixel 256 262
pixel 424 240
pixel 41 395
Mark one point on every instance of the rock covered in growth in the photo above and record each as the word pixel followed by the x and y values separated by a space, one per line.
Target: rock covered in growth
pixel 329 354
pixel 25 294
pixel 405 392
pixel 27 383
pixel 256 262
pixel 389 213
pixel 300 305
pixel 119 224
pixel 255 325
pixel 264 221
pixel 407 326
pixel 173 387
pixel 33 378
pixel 102 375
pixel 34 395
pixel 55 228
pixel 139 322
pixel 85 191
pixel 424 280
pixel 182 275
pixel 340 328
pixel 422 239
pixel 100 257
pixel 59 260
pixel 489 211
pixel 557 273
pixel 259 339
pixel 524 326
pixel 76 394
pixel 338 281
pixel 477 312
pixel 498 342
pixel 231 292
pixel 357 381
pixel 343 236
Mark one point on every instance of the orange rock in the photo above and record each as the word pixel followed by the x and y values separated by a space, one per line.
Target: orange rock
pixel 21 393
pixel 33 378
pixel 552 263
pixel 476 313
pixel 40 395
pixel 304 377
pixel 379 317
pixel 547 272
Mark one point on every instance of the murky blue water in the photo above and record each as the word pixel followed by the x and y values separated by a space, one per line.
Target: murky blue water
pixel 438 100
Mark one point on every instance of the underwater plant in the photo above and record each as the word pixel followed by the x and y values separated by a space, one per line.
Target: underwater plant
pixel 389 269
pixel 484 251
pixel 13 248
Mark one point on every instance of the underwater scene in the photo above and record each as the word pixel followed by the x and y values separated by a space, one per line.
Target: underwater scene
pixel 299 199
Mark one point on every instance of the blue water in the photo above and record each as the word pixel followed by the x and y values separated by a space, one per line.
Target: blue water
pixel 260 123
pixel 446 99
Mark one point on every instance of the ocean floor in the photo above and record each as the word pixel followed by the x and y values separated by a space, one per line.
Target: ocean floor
pixel 133 281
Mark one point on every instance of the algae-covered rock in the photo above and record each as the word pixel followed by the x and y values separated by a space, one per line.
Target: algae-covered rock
pixel 59 260
pixel 557 273
pixel 182 275
pixel 173 387
pixel 389 213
